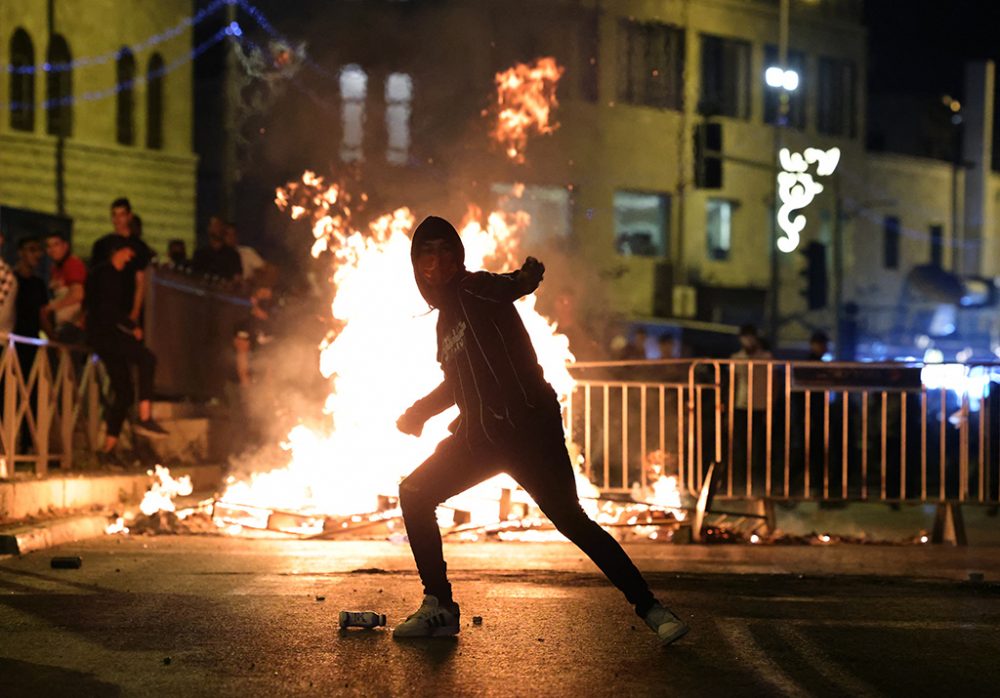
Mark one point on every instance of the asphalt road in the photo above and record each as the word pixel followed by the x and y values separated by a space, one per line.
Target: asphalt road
pixel 180 616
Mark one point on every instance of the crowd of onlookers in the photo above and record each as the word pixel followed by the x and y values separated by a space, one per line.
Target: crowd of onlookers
pixel 100 304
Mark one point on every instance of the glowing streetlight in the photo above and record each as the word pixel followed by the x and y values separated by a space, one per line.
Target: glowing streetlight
pixel 779 78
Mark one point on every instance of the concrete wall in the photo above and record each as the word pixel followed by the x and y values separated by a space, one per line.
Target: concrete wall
pixel 160 183
pixel 919 192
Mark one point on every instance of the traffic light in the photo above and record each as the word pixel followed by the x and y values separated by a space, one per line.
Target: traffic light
pixel 815 274
pixel 708 156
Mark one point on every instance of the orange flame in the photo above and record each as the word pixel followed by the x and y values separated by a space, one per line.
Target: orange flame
pixel 526 96
pixel 382 358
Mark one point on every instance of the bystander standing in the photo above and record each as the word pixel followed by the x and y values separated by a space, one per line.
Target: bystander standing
pixel 62 317
pixel 177 252
pixel 217 258
pixel 251 262
pixel 122 219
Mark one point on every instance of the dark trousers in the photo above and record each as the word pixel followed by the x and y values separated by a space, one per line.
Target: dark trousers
pixel 118 354
pixel 536 457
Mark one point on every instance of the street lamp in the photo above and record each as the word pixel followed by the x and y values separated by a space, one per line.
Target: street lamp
pixel 781 78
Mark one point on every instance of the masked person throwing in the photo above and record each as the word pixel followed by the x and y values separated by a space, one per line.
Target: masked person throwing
pixel 509 421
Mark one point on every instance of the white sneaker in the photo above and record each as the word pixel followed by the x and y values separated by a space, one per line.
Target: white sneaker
pixel 665 624
pixel 430 620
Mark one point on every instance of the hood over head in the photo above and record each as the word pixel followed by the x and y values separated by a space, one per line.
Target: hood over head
pixel 434 228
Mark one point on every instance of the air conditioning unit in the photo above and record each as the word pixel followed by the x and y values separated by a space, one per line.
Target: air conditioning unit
pixel 685 301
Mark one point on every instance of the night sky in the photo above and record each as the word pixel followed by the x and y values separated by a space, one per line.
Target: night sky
pixel 920 46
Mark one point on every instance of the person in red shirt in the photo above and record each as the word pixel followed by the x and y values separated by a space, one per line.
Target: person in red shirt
pixel 63 316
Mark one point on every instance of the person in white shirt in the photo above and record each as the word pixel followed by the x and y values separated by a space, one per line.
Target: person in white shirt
pixel 251 261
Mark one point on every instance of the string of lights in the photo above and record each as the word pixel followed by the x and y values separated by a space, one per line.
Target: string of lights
pixel 153 41
pixel 232 29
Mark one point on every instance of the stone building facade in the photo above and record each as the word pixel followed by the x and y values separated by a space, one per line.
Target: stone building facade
pixel 117 122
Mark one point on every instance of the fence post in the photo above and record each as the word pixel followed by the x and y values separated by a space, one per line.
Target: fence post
pixel 949 527
pixel 93 401
pixel 67 388
pixel 765 509
pixel 9 406
pixel 43 415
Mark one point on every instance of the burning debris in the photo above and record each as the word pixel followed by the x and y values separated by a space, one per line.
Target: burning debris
pixel 158 513
pixel 526 97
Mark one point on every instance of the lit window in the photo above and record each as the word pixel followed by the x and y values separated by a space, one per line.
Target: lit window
pixel 642 223
pixel 719 228
pixel 398 97
pixel 59 89
pixel 125 121
pixel 22 82
pixel 353 91
pixel 548 209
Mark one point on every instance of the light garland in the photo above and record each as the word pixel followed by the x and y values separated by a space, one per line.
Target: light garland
pixel 232 29
pixel 797 188
pixel 176 30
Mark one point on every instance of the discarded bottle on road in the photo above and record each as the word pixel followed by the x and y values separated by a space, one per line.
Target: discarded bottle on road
pixel 361 619
pixel 66 563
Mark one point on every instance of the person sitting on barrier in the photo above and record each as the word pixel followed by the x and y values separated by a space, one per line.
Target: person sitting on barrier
pixel 117 340
pixel 63 315
pixel 509 421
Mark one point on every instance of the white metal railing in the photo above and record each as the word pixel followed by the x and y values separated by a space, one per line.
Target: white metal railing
pixel 49 391
pixel 793 430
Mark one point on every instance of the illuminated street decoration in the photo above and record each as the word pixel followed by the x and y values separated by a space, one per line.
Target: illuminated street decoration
pixel 797 188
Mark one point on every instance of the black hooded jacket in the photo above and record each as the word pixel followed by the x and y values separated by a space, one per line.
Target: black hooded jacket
pixel 490 368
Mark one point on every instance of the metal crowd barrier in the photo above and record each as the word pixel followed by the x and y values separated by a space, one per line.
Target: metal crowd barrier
pixel 51 392
pixel 789 430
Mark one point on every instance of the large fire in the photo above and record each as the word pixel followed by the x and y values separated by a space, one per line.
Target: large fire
pixel 526 97
pixel 380 356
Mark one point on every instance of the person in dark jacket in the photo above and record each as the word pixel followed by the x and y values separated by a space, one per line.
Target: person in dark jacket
pixel 509 421
pixel 117 340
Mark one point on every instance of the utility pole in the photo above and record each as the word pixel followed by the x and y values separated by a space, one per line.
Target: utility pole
pixel 838 263
pixel 231 97
pixel 774 308
pixel 60 161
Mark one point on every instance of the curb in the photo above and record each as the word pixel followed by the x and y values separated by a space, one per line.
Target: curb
pixel 20 499
pixel 26 539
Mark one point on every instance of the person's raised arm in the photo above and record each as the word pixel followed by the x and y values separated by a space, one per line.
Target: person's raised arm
pixel 505 288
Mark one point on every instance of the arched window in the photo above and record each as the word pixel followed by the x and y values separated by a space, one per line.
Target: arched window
pixel 353 91
pixel 398 97
pixel 58 88
pixel 125 70
pixel 154 102
pixel 22 82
